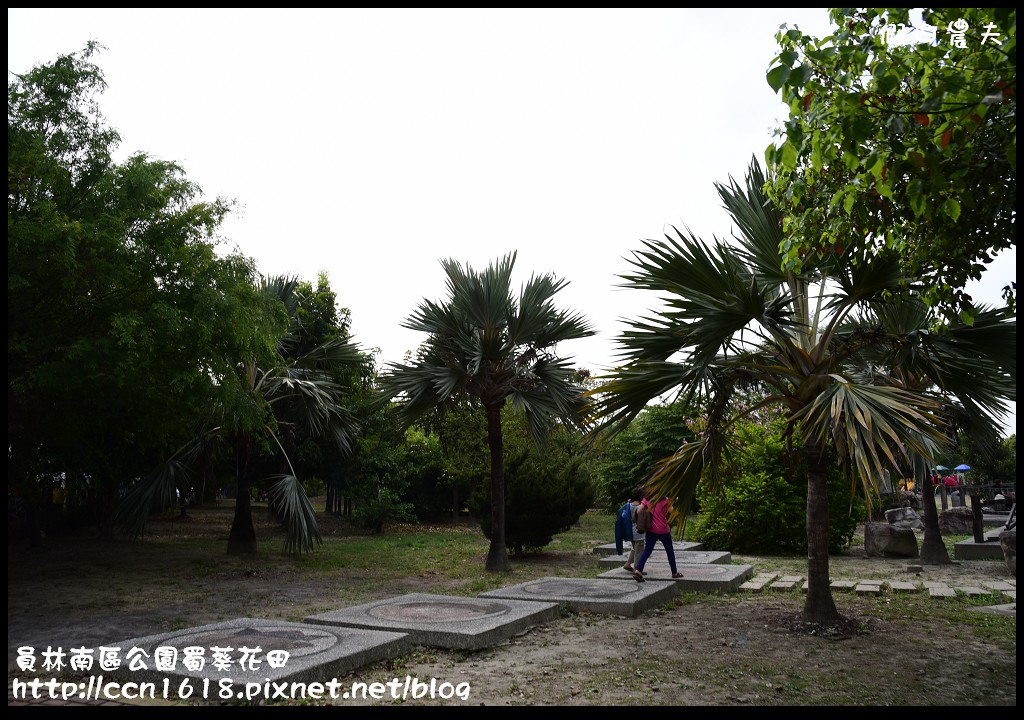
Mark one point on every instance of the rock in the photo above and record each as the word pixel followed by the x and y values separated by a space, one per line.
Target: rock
pixel 910 500
pixel 904 517
pixel 885 540
pixel 1008 542
pixel 956 521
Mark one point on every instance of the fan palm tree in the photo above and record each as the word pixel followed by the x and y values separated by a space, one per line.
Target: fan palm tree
pixel 974 367
pixel 260 404
pixel 491 346
pixel 733 318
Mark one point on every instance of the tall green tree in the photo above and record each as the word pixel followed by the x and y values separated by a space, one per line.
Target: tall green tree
pixel 902 134
pixel 734 319
pixel 486 342
pixel 119 309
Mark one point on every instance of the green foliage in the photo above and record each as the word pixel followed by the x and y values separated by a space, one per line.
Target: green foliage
pixel 374 510
pixel 627 459
pixel 547 489
pixel 762 506
pixel 120 313
pixel 900 138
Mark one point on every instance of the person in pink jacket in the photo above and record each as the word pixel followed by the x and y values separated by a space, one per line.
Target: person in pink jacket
pixel 659 531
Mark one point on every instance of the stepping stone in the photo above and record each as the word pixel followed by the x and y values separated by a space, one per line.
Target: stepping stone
pixel 685 557
pixel 448 621
pixel 314 653
pixel 843 584
pixel 972 591
pixel 1012 594
pixel 783 584
pixel 679 546
pixel 929 584
pixel 999 585
pixel 877 583
pixel 597 595
pixel 868 588
pixel 757 583
pixel 792 578
pixel 940 591
pixel 902 586
pixel 711 577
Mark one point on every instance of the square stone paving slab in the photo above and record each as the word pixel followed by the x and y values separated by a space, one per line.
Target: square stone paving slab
pixel 972 590
pixel 684 557
pixel 448 621
pixel 315 654
pixel 678 546
pixel 696 578
pixel 596 595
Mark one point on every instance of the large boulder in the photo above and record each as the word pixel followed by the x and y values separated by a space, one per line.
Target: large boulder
pixel 1008 542
pixel 904 517
pixel 956 521
pixel 891 541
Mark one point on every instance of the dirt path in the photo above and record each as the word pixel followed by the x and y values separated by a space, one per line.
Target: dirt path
pixel 736 649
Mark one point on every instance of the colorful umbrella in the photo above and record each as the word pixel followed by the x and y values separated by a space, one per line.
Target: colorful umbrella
pixel 941 467
pixel 962 467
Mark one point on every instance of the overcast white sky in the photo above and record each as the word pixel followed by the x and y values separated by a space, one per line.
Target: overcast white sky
pixel 370 143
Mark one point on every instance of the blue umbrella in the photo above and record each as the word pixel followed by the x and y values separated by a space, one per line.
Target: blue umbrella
pixel 962 467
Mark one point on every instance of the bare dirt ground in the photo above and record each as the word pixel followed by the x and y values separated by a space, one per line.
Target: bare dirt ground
pixel 740 649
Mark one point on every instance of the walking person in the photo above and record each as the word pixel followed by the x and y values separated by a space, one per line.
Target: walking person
pixel 659 530
pixel 639 536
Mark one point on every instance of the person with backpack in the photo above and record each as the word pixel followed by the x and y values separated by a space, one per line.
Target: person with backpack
pixel 639 535
pixel 657 516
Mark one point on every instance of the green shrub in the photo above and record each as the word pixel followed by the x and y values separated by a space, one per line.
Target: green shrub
pixel 546 493
pixel 763 506
pixel 376 510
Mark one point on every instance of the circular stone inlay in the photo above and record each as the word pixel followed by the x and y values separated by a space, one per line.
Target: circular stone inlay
pixel 437 610
pixel 298 642
pixel 555 588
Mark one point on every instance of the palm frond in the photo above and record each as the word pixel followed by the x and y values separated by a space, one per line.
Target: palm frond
pixel 154 493
pixel 299 517
pixel 867 422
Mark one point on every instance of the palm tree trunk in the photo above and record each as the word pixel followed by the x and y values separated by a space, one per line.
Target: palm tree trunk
pixel 933 550
pixel 819 606
pixel 497 555
pixel 242 539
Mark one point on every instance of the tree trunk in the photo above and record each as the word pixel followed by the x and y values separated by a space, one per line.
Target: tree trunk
pixel 242 540
pixel 819 606
pixel 933 550
pixel 497 555
pixel 455 503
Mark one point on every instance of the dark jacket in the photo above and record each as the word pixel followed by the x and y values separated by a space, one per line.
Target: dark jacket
pixel 623 527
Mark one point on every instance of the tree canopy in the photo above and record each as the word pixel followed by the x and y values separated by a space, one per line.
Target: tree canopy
pixel 902 134
pixel 119 309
